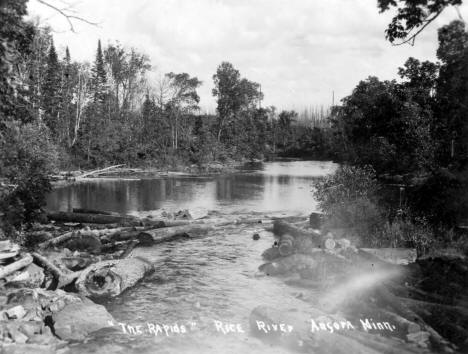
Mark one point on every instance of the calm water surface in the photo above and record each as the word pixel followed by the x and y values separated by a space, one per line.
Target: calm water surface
pixel 200 280
pixel 274 186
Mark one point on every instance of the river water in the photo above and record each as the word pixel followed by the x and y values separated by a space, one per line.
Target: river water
pixel 202 280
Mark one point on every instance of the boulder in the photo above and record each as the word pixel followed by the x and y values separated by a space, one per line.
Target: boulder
pixel 271 253
pixel 77 320
pixel 30 277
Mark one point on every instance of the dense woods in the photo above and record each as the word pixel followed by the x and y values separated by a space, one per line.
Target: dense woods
pixel 404 143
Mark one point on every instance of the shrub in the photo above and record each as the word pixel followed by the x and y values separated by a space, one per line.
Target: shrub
pixel 27 158
pixel 349 199
pixel 406 232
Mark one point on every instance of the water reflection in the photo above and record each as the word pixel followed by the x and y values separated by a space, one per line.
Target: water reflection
pixel 274 186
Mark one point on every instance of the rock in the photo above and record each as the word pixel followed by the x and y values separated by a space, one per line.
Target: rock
pixel 8 250
pixel 271 253
pixel 256 237
pixel 183 215
pixel 30 277
pixel 17 336
pixel 16 312
pixel 421 338
pixel 77 320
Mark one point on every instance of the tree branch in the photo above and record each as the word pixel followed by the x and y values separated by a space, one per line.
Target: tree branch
pixel 413 37
pixel 69 17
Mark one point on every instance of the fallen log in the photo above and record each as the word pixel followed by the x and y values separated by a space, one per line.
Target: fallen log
pixel 111 278
pixel 63 279
pixel 281 227
pixel 286 245
pixel 13 267
pixel 121 236
pixel 87 174
pixel 170 233
pixel 76 240
pixel 130 246
pixel 93 211
pixel 84 241
pixel 57 240
pixel 64 216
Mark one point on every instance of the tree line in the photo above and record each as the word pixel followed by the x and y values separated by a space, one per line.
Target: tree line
pixel 108 111
pixel 60 113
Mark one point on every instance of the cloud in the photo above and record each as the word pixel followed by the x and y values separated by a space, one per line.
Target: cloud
pixel 299 50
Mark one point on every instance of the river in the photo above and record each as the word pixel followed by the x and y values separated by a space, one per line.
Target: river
pixel 202 280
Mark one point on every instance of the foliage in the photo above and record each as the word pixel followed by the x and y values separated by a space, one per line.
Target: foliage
pixel 409 233
pixel 349 198
pixel 233 94
pixel 26 153
pixel 382 124
pixel 451 126
pixel 412 16
pixel 27 158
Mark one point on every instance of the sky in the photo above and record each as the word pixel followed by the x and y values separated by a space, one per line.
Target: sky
pixel 300 51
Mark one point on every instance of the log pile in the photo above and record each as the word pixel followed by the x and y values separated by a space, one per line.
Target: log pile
pixel 425 299
pixel 80 255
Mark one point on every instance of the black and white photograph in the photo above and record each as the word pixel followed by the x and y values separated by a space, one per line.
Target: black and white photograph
pixel 233 176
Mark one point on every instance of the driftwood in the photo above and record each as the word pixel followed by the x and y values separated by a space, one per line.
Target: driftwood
pixel 63 279
pixel 84 241
pixel 281 227
pixel 93 211
pixel 286 245
pixel 130 246
pixel 13 267
pixel 95 172
pixel 170 233
pixel 110 278
pixel 78 240
pixel 63 216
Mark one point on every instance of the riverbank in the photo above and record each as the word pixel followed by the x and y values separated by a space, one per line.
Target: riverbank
pixel 125 172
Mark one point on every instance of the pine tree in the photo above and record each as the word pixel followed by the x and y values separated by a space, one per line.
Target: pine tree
pixel 99 76
pixel 66 97
pixel 51 91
